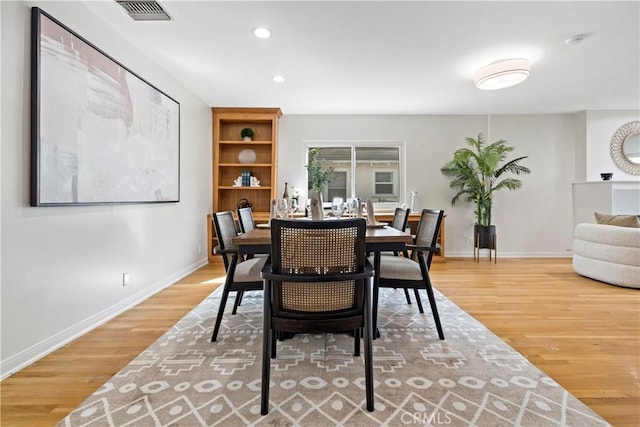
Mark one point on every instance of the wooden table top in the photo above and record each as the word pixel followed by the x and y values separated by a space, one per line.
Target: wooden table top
pixel 262 236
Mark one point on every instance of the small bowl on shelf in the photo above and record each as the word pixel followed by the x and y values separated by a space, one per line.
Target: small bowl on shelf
pixel 606 176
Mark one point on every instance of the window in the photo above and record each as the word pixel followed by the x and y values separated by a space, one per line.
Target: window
pixel 384 183
pixel 338 186
pixel 367 170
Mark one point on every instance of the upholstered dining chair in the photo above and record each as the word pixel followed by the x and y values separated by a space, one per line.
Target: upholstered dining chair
pixel 400 218
pixel 247 223
pixel 317 280
pixel 399 222
pixel 413 272
pixel 242 274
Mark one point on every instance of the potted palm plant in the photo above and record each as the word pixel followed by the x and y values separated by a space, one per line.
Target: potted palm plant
pixel 476 173
pixel 318 177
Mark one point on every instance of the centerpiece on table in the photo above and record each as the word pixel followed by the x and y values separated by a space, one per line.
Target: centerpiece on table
pixel 295 198
pixel 318 176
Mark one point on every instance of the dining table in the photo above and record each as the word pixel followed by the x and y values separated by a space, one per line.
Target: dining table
pixel 379 238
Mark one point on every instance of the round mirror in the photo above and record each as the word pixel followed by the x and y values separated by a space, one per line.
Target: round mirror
pixel 631 148
pixel 625 147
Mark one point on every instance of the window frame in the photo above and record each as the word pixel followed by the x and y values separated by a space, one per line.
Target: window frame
pixel 353 144
pixel 375 182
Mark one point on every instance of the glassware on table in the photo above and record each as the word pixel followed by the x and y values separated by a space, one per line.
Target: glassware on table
pixel 282 208
pixel 351 206
pixel 347 209
pixel 337 207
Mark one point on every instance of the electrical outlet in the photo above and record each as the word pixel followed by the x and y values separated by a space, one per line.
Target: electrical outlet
pixel 125 279
pixel 199 248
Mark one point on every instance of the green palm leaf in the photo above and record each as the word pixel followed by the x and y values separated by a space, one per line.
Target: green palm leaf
pixel 475 170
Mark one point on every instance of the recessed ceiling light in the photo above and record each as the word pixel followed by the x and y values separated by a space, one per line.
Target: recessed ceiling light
pixel 278 79
pixel 261 33
pixel 502 74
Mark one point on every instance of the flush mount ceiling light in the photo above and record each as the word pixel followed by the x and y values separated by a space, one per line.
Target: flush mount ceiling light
pixel 278 79
pixel 502 74
pixel 261 33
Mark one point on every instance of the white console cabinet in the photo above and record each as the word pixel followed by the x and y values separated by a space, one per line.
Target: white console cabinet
pixel 606 197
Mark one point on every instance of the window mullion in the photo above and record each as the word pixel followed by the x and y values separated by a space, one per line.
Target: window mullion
pixel 352 189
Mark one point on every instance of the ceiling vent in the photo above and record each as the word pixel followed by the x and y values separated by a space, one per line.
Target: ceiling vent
pixel 144 10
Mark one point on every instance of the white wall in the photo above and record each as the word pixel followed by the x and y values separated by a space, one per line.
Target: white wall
pixel 601 125
pixel 533 221
pixel 1 139
pixel 580 128
pixel 62 266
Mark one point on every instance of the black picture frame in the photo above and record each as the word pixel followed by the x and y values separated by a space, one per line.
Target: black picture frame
pixel 100 134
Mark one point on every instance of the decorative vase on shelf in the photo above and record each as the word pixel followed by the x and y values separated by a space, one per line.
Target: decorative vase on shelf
pixel 247 156
pixel 246 134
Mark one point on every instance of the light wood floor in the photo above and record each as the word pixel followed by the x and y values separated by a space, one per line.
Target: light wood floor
pixel 582 333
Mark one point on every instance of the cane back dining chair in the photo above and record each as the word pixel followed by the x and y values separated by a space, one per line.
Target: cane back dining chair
pixel 247 223
pixel 317 280
pixel 413 272
pixel 399 222
pixel 242 274
pixel 400 218
pixel 245 219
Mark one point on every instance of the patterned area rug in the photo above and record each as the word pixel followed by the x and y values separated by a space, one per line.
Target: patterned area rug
pixel 471 379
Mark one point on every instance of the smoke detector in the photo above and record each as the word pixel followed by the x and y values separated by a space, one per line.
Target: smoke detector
pixel 144 10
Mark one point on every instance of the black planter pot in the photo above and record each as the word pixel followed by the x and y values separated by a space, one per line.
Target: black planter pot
pixel 484 236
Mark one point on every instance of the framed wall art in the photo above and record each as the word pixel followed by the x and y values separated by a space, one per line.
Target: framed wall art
pixel 100 134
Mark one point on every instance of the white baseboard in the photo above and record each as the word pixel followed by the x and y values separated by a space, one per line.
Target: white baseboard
pixel 485 253
pixel 26 357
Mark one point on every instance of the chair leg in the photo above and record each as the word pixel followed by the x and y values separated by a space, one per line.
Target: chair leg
pixel 274 343
pixel 406 295
pixel 356 342
pixel 223 303
pixel 225 295
pixel 266 373
pixel 376 283
pixel 417 295
pixel 238 301
pixel 368 351
pixel 267 341
pixel 434 308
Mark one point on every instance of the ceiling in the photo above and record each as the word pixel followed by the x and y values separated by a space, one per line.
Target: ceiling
pixel 377 57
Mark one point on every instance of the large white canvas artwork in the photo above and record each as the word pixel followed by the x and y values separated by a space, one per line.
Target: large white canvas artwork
pixel 100 133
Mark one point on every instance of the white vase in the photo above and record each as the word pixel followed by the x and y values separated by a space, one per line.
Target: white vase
pixel 315 204
pixel 414 202
pixel 247 156
pixel 246 139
